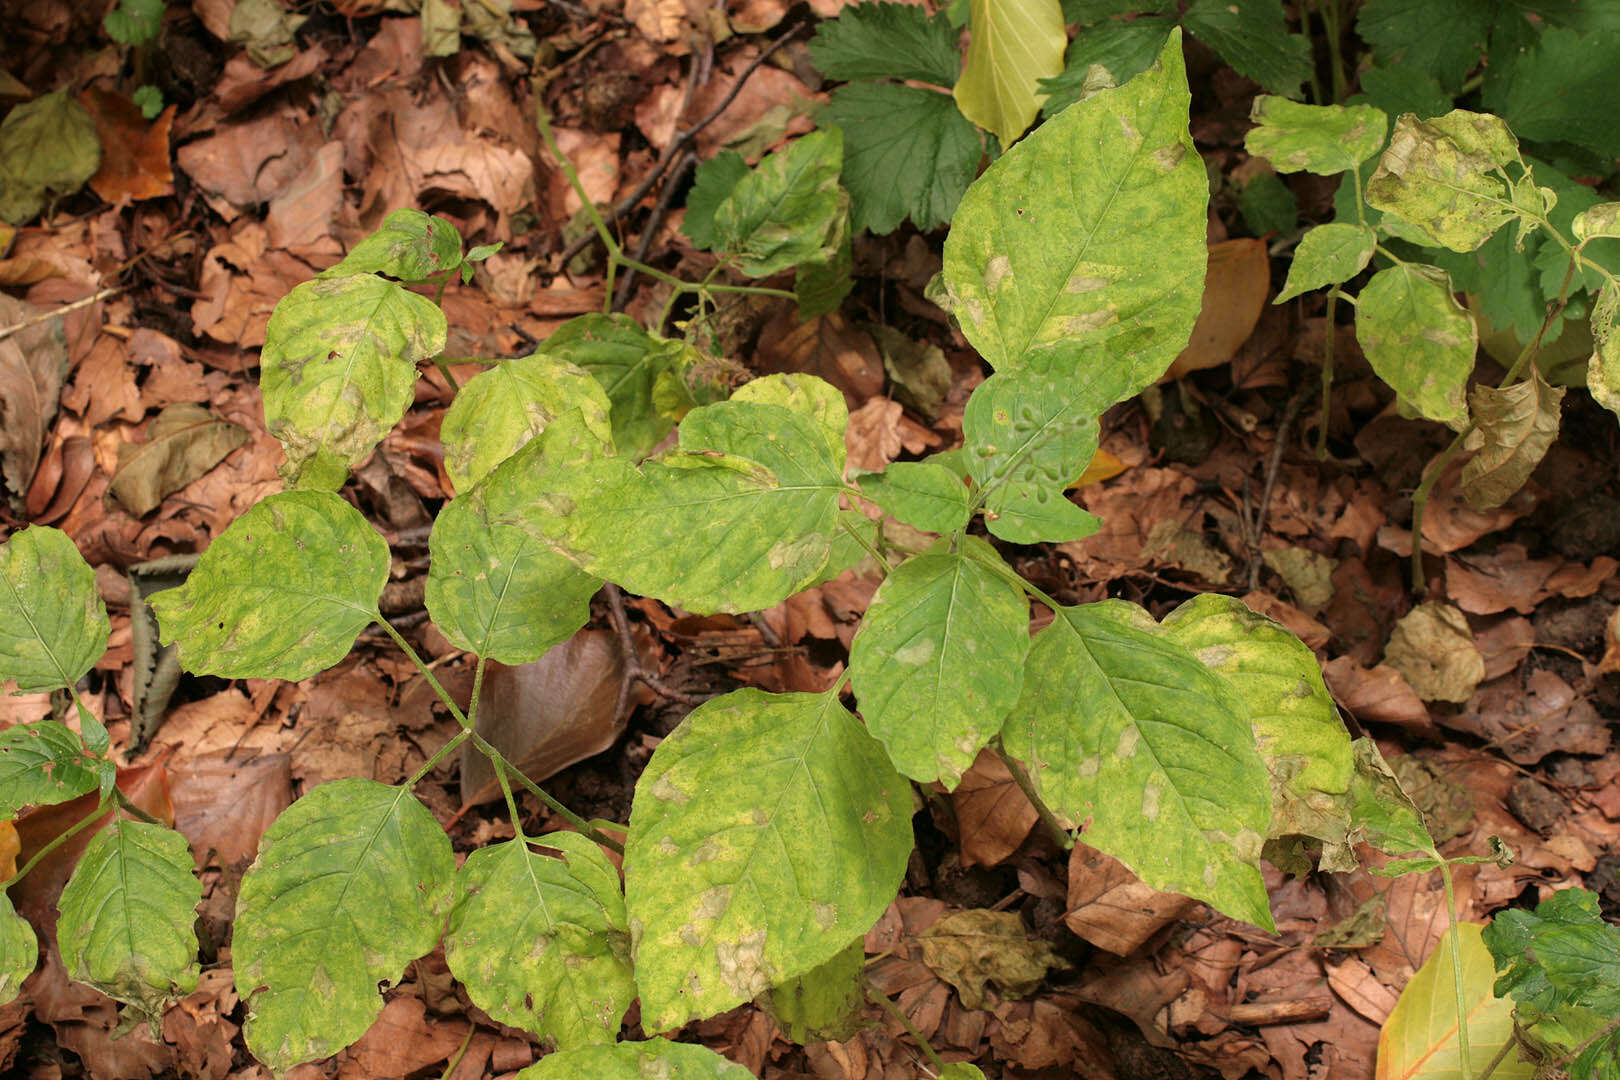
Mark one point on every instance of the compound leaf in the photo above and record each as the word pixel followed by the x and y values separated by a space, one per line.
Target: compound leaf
pixel 1119 725
pixel 352 882
pixel 922 494
pixel 541 942
pixel 1418 338
pixel 339 365
pixel 408 245
pixel 128 913
pixel 280 594
pixel 1322 139
pixel 1049 264
pixel 43 764
pixel 1514 427
pixel 768 832
pixel 1328 254
pixel 908 152
pixel 1016 43
pixel 888 41
pixel 656 1057
pixel 53 625
pixel 939 659
pixel 780 213
pixel 1442 178
pixel 1253 37
pixel 711 183
pixel 19 951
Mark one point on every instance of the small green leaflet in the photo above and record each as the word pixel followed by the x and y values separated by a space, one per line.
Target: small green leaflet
pixel 352 882
pixel 656 1057
pixel 1049 264
pixel 1418 338
pixel 922 494
pixel 409 245
pixel 19 951
pixel 282 593
pixel 43 764
pixel 888 41
pixel 908 152
pixel 712 182
pixel 1322 139
pixel 1253 37
pixel 1443 178
pixel 768 833
pixel 1513 429
pixel 338 369
pixel 541 942
pixel 780 214
pixel 1559 956
pixel 134 22
pixel 1121 727
pixel 1016 44
pixel 128 914
pixel 1328 254
pixel 939 659
pixel 53 625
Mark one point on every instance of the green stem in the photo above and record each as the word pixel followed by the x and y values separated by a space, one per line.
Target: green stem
pixel 883 563
pixel 439 755
pixel 511 803
pixel 1592 1040
pixel 132 810
pixel 1329 11
pixel 444 369
pixel 498 760
pixel 427 672
pixel 544 124
pixel 57 841
pixel 878 997
pixel 1327 375
pixel 455 1059
pixel 1027 786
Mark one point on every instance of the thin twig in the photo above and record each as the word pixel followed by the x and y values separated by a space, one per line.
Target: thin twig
pixel 632 660
pixel 93 298
pixel 1290 412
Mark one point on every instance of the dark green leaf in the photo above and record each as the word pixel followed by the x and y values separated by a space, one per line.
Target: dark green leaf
pixel 711 184
pixel 1253 37
pixel 53 625
pixel 1441 38
pixel 1564 88
pixel 1402 89
pixel 1126 48
pixel 908 152
pixel 134 22
pixel 1562 954
pixel 42 764
pixel 1268 205
pixel 888 41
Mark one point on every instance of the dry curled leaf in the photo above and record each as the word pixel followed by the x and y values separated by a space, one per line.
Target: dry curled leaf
pixel 1434 649
pixel 1514 426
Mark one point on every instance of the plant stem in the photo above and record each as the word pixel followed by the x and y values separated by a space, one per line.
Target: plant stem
pixel 1456 966
pixel 57 841
pixel 883 563
pixel 444 369
pixel 1027 786
pixel 132 810
pixel 878 997
pixel 439 755
pixel 511 803
pixel 1592 1040
pixel 585 827
pixel 455 1059
pixel 1327 375
pixel 1501 1056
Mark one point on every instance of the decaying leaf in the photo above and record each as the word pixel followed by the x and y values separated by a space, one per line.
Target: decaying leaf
pixel 33 364
pixel 1514 426
pixel 183 443
pixel 970 949
pixel 1434 649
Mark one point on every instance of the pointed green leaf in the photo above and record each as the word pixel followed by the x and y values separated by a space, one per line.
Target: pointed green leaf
pixel 408 245
pixel 1296 725
pixel 541 942
pixel 629 363
pixel 888 41
pixel 1444 38
pixel 1513 429
pixel 338 369
pixel 19 951
pixel 808 395
pixel 939 660
pixel 823 280
pixel 714 180
pixel 779 214
pixel 1328 255
pixel 1016 44
pixel 961 1070
pixel 352 882
pixel 1081 250
pixel 42 764
pixel 1562 87
pixel 825 1002
pixel 1323 139
pixel 53 625
pixel 504 407
pixel 280 594
pixel 1442 178
pixel 655 1057
pixel 1028 437
pixel 1418 338
pixel 1120 726
pixel 1253 37
pixel 768 832
pixel 1124 48
pixel 1603 370
pixel 128 913
pixel 921 494
pixel 908 152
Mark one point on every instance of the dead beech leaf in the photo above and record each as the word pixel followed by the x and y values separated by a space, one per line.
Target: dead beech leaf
pixel 1308 575
pixel 1505 578
pixel 1514 426
pixel 1378 695
pixel 223 805
pixel 33 363
pixel 1235 289
pixel 921 374
pixel 1434 649
pixel 992 811
pixel 1111 908
pixel 182 443
pixel 134 151
pixel 827 347
pixel 1528 721
pixel 970 949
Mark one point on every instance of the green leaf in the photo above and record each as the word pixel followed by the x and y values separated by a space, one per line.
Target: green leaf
pixel 768 833
pixel 908 152
pixel 1443 178
pixel 1121 726
pixel 149 99
pixel 1322 139
pixel 1268 205
pixel 1514 427
pixel 53 625
pixel 1400 90
pixel 939 659
pixel 19 951
pixel 630 364
pixel 923 495
pixel 1296 725
pixel 654 1057
pixel 1603 370
pixel 408 245
pixel 1028 436
pixel 1601 220
pixel 541 942
pixel 715 179
pixel 280 594
pixel 1565 87
pixel 961 1070
pixel 46 145
pixel 134 22
pixel 780 213
pixel 888 41
pixel 823 280
pixel 338 370
pixel 1442 38
pixel 1559 956
pixel 1125 49
pixel 1086 12
pixel 1328 255
pixel 807 395
pixel 1380 809
pixel 1015 44
pixel 825 1002
pixel 1418 338
pixel 352 882
pixel 42 764
pixel 504 407
pixel 128 913
pixel 1081 250
pixel 1253 37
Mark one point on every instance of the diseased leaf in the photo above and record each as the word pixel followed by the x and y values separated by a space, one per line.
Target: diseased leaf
pixel 19 951
pixel 1120 726
pixel 1016 43
pixel 282 593
pixel 352 882
pixel 541 942
pixel 1125 49
pixel 1418 338
pixel 656 1057
pixel 908 152
pixel 42 764
pixel 922 494
pixel 1328 255
pixel 128 914
pixel 47 145
pixel 713 181
pixel 1253 37
pixel 939 659
pixel 779 215
pixel 768 833
pixel 409 245
pixel 972 948
pixel 1047 263
pixel 888 41
pixel 53 625
pixel 338 369
pixel 1381 811
pixel 182 444
pixel 1434 649
pixel 825 1002
pixel 1603 370
pixel 1443 179
pixel 1514 427
pixel 1602 220
pixel 1322 139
